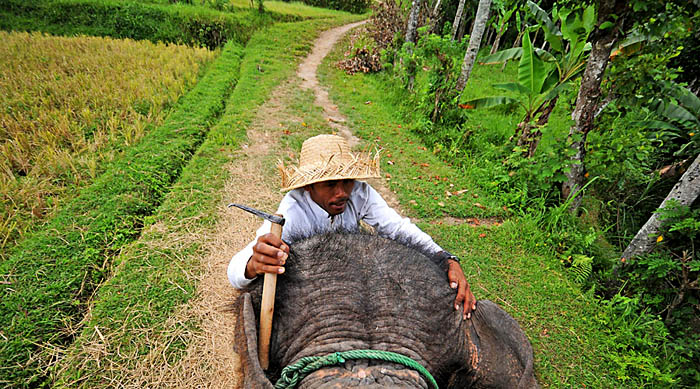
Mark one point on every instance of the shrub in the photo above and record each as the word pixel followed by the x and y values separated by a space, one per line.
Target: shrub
pixel 353 6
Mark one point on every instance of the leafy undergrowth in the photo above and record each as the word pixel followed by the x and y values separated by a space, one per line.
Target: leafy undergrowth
pixel 49 277
pixel 134 319
pixel 507 263
pixel 72 105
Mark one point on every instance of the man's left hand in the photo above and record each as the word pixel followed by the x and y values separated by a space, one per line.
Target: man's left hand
pixel 465 297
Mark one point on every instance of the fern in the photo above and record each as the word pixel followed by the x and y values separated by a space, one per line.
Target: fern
pixel 581 267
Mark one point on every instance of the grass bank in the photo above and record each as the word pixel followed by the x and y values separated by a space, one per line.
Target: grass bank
pixel 175 23
pixel 49 278
pixel 507 263
pixel 140 316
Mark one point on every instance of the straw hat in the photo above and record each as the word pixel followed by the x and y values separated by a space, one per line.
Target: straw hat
pixel 325 158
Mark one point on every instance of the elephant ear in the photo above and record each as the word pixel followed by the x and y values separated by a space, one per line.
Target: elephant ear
pixel 246 345
pixel 505 357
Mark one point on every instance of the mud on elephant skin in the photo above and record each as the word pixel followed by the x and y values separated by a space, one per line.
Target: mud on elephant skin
pixel 351 291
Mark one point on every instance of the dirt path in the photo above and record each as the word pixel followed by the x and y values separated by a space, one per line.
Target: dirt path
pixel 210 360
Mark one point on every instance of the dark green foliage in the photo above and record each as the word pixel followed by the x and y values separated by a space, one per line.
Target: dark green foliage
pixel 52 274
pixel 192 25
pixel 664 284
pixel 353 6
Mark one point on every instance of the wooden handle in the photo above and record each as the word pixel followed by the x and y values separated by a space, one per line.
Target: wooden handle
pixel 267 309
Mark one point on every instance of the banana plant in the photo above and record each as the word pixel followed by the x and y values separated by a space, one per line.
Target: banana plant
pixel 564 62
pixel 680 110
pixel 536 85
pixel 504 14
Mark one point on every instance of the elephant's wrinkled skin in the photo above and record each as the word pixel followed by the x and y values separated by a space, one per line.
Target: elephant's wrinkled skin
pixel 357 291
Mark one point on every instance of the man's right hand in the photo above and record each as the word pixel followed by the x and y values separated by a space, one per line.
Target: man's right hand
pixel 269 255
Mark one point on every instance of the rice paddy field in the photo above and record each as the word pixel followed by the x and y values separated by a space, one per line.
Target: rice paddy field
pixel 71 105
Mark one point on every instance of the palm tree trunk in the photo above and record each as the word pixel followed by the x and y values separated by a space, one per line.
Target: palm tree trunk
pixel 412 22
pixel 587 101
pixel 458 19
pixel 685 192
pixel 482 16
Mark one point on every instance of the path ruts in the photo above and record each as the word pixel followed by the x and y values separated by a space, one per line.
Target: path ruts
pixel 254 181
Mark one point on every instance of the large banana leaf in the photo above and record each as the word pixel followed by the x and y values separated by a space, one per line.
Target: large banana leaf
pixel 531 70
pixel 677 113
pixel 515 53
pixel 487 102
pixel 685 97
pixel 551 32
pixel 513 87
pixel 659 125
pixel 502 56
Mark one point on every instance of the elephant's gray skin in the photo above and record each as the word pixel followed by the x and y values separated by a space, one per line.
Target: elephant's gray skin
pixel 358 291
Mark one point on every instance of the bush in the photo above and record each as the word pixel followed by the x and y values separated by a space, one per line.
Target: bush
pixel 353 6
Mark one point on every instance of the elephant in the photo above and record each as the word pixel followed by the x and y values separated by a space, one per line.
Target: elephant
pixel 354 291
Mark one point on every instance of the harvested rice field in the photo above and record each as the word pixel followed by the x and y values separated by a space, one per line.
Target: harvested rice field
pixel 69 106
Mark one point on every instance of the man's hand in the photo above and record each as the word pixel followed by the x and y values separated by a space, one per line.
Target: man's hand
pixel 269 255
pixel 458 281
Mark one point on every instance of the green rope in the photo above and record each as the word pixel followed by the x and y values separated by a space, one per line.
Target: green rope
pixel 293 374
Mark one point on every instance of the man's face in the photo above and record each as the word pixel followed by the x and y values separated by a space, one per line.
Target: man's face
pixel 331 195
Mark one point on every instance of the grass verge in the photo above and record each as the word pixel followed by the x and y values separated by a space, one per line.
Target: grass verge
pixel 136 322
pixel 51 275
pixel 507 264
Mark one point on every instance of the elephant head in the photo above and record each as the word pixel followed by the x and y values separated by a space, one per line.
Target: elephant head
pixel 352 291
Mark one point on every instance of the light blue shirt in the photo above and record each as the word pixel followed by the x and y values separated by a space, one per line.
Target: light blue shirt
pixel 303 215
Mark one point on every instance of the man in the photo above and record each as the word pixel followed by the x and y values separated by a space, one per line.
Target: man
pixel 324 195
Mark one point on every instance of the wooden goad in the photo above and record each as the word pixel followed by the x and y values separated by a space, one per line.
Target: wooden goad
pixel 267 308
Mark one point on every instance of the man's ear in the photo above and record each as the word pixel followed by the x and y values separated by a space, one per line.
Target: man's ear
pixel 307 188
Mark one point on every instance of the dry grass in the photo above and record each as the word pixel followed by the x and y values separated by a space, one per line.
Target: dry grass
pixel 69 105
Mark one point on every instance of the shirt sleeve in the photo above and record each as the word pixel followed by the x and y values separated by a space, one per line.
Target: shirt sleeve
pixel 388 223
pixel 237 265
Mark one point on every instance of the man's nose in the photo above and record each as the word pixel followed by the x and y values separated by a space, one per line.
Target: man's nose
pixel 340 191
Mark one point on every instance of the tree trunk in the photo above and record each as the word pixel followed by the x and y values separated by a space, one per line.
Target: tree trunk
pixel 482 16
pixel 587 100
pixel 436 9
pixel 494 48
pixel 489 35
pixel 685 192
pixel 412 22
pixel 435 19
pixel 463 27
pixel 458 19
pixel 532 139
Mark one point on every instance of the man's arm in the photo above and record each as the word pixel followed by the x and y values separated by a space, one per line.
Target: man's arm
pixel 389 223
pixel 265 254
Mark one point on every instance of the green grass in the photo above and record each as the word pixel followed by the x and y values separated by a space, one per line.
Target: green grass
pixel 508 264
pixel 178 23
pixel 155 277
pixel 53 273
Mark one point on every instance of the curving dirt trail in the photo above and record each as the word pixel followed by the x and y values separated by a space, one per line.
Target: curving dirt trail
pixel 210 360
